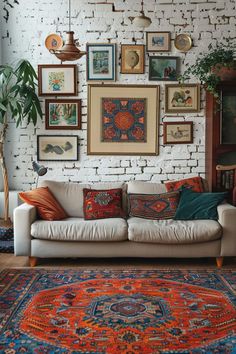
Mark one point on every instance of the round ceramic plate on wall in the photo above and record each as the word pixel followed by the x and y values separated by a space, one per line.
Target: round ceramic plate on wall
pixel 53 41
pixel 183 42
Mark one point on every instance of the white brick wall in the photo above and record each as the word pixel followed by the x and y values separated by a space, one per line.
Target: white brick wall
pixel 97 21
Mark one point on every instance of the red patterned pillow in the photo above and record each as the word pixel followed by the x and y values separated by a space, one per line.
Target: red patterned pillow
pixel 153 206
pixel 101 204
pixel 193 183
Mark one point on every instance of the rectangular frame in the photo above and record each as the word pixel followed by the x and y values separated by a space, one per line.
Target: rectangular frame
pixel 227 117
pixel 76 114
pixel 132 59
pixel 158 41
pixel 109 62
pixel 177 132
pixel 62 147
pixel 168 71
pixel 182 98
pixel 66 73
pixel 96 93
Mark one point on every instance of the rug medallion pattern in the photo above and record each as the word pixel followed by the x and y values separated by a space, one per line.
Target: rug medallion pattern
pixel 76 311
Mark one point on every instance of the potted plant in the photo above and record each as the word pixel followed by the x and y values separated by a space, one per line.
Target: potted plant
pixel 18 100
pixel 214 66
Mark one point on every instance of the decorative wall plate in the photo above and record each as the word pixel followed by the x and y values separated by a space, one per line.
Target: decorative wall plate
pixel 53 41
pixel 183 42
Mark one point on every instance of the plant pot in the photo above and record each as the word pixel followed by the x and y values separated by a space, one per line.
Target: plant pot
pixel 225 73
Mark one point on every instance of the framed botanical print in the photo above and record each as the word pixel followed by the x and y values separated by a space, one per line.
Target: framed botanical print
pixel 62 114
pixel 178 132
pixel 101 62
pixel 57 148
pixel 163 68
pixel 132 59
pixel 183 98
pixel 57 80
pixel 122 119
pixel 158 41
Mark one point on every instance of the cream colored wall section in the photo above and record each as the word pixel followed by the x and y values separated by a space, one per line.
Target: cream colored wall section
pixel 111 21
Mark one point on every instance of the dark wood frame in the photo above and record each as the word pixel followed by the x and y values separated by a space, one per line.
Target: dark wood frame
pixel 70 136
pixel 125 47
pixel 180 109
pixel 40 78
pixel 113 45
pixel 75 101
pixel 160 58
pixel 166 142
pixel 161 50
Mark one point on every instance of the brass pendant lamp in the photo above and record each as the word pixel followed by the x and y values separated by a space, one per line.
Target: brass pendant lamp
pixel 142 20
pixel 70 50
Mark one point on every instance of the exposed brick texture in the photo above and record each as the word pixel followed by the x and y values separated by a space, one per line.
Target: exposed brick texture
pixel 99 21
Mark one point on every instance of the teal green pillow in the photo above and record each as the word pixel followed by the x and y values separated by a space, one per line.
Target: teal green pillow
pixel 196 206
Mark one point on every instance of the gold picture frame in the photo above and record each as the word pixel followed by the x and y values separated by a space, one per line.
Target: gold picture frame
pixel 123 119
pixel 182 98
pixel 132 59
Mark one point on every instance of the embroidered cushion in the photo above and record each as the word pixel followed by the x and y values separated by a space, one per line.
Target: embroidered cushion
pixel 47 205
pixel 101 204
pixel 194 183
pixel 153 206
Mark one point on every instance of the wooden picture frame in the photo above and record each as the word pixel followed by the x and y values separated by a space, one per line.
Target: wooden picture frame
pixel 163 68
pixel 123 119
pixel 57 148
pixel 101 62
pixel 57 80
pixel 62 114
pixel 182 98
pixel 132 59
pixel 157 41
pixel 178 132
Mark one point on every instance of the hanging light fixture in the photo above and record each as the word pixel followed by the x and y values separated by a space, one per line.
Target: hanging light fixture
pixel 70 50
pixel 142 20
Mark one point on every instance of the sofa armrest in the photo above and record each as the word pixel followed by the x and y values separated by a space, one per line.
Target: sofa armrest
pixel 227 219
pixel 23 216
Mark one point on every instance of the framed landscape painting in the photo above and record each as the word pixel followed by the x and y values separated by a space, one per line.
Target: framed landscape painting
pixel 184 98
pixel 163 68
pixel 101 62
pixel 57 148
pixel 158 41
pixel 178 132
pixel 57 80
pixel 122 119
pixel 132 59
pixel 62 114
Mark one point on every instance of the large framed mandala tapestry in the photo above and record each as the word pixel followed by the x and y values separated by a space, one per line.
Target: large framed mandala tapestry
pixel 123 119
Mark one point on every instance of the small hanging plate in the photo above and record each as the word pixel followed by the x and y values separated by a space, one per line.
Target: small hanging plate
pixel 183 42
pixel 53 41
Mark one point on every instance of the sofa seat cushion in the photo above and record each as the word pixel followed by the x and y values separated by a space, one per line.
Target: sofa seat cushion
pixel 78 229
pixel 173 231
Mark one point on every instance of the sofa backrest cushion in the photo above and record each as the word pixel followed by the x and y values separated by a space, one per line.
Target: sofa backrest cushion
pixel 69 195
pixel 145 188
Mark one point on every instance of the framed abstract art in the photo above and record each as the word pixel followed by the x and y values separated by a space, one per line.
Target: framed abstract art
pixel 57 148
pixel 62 114
pixel 101 62
pixel 122 119
pixel 182 98
pixel 57 80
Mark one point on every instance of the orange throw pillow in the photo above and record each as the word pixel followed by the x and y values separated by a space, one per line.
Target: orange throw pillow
pixel 47 206
pixel 193 183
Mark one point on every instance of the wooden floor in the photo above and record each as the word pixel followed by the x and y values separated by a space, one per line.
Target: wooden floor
pixel 10 261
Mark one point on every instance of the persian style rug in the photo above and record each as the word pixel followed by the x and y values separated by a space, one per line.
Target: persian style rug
pixel 113 311
pixel 6 240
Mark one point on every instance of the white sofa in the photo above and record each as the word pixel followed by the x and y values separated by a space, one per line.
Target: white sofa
pixel 116 237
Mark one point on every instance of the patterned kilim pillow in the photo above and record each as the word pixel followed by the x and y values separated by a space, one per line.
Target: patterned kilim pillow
pixel 101 204
pixel 153 206
pixel 193 183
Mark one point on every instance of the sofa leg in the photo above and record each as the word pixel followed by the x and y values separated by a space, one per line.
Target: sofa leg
pixel 219 261
pixel 32 261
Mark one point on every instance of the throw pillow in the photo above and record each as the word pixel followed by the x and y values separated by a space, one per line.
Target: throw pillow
pixel 47 206
pixel 194 183
pixel 197 206
pixel 153 206
pixel 101 204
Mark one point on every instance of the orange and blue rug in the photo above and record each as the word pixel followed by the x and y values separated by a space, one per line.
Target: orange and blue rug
pixel 112 311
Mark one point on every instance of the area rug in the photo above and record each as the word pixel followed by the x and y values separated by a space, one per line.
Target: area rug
pixel 113 311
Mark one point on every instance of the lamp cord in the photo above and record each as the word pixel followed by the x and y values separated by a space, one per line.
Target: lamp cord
pixel 69 15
